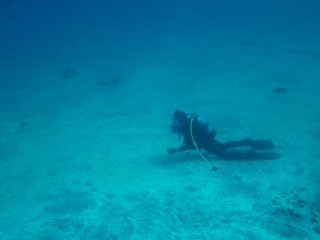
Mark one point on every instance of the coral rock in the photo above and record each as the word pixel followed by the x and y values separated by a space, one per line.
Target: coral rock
pixel 317 229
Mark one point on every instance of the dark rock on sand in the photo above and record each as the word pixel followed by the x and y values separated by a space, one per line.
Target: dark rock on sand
pixel 280 90
pixel 314 220
pixel 68 73
pixel 110 81
pixel 317 229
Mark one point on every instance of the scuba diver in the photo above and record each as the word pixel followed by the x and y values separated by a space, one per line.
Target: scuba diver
pixel 198 135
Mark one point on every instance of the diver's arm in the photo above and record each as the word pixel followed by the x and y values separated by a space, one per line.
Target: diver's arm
pixel 185 148
pixel 180 149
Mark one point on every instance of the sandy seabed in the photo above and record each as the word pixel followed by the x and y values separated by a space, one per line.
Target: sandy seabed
pixel 83 145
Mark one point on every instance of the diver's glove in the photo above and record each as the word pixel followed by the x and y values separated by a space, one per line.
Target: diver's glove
pixel 172 150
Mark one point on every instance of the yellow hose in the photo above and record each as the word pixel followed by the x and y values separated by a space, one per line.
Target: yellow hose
pixel 194 142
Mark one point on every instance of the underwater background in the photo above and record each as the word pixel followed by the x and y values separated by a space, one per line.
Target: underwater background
pixel 88 89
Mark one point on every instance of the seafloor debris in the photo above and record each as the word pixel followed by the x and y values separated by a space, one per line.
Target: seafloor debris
pixel 280 90
pixel 317 229
pixel 68 73
pixel 294 205
pixel 290 212
pixel 114 80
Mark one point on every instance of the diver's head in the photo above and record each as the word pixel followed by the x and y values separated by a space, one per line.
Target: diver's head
pixel 179 121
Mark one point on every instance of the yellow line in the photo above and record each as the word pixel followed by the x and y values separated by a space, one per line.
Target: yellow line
pixel 194 142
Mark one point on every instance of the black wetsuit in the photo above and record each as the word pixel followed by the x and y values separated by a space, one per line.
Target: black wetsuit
pixel 204 138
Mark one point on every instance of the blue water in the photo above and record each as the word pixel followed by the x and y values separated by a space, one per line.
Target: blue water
pixel 87 95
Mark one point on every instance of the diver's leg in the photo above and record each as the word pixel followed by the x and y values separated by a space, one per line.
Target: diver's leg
pixel 215 147
pixel 255 144
pixel 229 150
pixel 235 154
pixel 258 149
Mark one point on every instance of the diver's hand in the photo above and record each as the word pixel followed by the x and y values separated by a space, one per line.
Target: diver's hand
pixel 172 150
